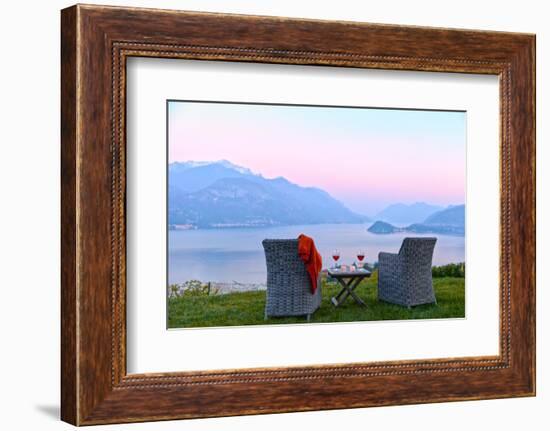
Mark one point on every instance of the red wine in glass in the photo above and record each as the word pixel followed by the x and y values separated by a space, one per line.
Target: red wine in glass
pixel 335 256
pixel 360 257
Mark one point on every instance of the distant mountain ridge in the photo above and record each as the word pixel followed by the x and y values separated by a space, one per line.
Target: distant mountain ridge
pixel 407 214
pixel 449 221
pixel 453 215
pixel 221 194
pixel 193 176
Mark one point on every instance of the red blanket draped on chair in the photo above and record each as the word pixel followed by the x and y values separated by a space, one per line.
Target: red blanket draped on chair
pixel 311 257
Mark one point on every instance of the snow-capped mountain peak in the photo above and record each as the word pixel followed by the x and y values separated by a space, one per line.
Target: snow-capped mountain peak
pixel 182 166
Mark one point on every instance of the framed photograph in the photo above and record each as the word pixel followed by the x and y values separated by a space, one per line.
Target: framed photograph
pixel 233 229
pixel 264 214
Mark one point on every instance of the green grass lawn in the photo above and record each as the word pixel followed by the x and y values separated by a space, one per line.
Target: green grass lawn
pixel 247 308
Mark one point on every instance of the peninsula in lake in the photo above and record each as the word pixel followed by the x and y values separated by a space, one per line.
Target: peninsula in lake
pixel 449 221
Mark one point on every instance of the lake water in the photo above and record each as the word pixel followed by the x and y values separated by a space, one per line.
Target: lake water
pixel 228 255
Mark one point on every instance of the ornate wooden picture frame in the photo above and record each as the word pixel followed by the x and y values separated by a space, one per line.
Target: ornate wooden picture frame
pixel 96 41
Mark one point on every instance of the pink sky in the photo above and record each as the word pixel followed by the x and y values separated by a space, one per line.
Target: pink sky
pixel 366 158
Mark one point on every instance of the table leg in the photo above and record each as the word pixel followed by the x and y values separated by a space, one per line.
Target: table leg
pixel 348 289
pixel 343 290
pixel 354 296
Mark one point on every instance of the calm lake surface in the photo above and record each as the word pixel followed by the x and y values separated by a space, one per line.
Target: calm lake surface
pixel 228 255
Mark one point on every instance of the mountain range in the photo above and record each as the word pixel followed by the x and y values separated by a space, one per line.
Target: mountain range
pixel 221 194
pixel 407 214
pixel 449 221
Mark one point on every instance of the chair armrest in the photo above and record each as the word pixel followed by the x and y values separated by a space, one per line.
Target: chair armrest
pixel 386 256
pixel 388 262
pixel 319 284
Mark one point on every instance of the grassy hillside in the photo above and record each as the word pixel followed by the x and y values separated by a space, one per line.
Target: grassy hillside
pixel 247 308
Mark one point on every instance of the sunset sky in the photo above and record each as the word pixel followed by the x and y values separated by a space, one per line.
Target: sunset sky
pixel 366 158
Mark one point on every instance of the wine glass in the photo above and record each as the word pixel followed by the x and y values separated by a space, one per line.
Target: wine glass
pixel 336 256
pixel 360 257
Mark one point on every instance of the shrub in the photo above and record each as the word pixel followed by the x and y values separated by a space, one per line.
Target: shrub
pixel 450 270
pixel 191 288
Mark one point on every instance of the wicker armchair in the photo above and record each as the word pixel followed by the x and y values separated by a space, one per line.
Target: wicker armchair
pixel 288 283
pixel 406 278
